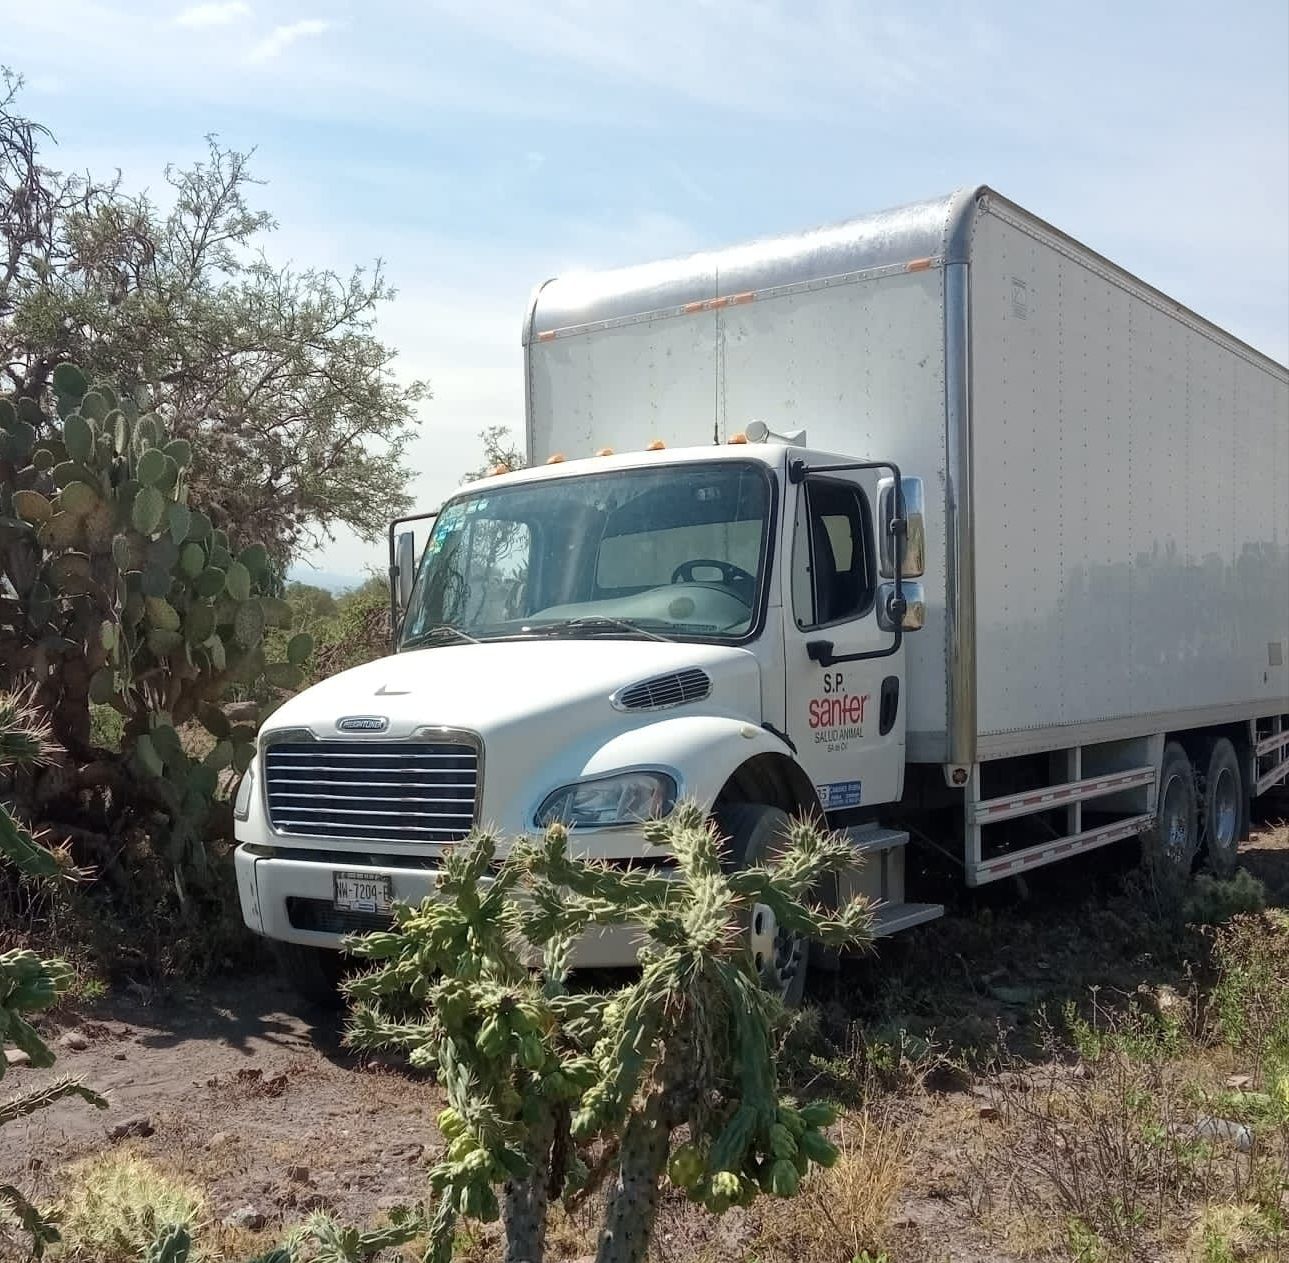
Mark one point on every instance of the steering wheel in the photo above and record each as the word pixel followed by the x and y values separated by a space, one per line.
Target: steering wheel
pixel 732 576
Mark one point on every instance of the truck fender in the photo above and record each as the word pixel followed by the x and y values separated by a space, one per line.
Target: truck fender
pixel 708 755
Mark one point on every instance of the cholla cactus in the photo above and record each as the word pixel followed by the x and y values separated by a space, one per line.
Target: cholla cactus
pixel 496 1036
pixel 24 742
pixel 131 595
pixel 692 1043
pixel 28 983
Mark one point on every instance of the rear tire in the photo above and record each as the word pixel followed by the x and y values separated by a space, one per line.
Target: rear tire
pixel 757 834
pixel 1222 808
pixel 315 973
pixel 1170 844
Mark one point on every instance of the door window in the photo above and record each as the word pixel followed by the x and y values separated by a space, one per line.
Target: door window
pixel 833 573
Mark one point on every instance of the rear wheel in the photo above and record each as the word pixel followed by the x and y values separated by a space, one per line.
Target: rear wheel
pixel 1222 808
pixel 315 973
pixel 1170 844
pixel 758 834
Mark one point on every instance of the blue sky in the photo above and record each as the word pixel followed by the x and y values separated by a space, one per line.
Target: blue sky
pixel 480 146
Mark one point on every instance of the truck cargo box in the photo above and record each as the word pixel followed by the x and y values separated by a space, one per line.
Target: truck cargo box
pixel 1107 473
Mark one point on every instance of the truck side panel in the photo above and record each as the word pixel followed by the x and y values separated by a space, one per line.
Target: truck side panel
pixel 1132 527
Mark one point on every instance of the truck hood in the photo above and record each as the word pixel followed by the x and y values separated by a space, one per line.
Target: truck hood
pixel 496 686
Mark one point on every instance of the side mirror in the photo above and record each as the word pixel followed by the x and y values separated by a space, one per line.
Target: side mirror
pixel 913 558
pixel 912 616
pixel 404 567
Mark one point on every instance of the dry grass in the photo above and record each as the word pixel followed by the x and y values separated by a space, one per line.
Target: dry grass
pixel 846 1210
pixel 1235 1234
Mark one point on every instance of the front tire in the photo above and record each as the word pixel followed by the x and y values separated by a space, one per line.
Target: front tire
pixel 757 835
pixel 1222 809
pixel 315 973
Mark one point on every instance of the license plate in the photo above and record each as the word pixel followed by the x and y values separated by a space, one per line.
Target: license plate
pixel 363 892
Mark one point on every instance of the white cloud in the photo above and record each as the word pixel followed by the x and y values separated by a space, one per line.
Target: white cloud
pixel 282 37
pixel 203 15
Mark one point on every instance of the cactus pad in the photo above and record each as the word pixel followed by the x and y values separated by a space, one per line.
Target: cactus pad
pixel 149 506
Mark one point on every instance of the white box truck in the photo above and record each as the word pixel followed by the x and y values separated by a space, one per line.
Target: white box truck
pixel 933 510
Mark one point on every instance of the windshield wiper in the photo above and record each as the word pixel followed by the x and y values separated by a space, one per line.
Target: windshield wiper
pixel 593 623
pixel 432 634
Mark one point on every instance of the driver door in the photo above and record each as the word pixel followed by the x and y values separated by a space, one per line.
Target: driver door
pixel 845 704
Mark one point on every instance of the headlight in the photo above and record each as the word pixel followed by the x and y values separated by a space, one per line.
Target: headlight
pixel 626 798
pixel 242 803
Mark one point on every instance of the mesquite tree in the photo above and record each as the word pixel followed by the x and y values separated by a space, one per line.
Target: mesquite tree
pixel 554 1094
pixel 276 376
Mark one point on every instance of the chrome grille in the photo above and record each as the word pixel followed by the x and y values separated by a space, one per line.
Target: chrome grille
pixel 673 689
pixel 397 791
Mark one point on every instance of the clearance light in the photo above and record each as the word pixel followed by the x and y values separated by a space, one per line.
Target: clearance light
pixel 917 265
pixel 656 446
pixel 740 437
pixel 605 451
pixel 556 459
pixel 499 469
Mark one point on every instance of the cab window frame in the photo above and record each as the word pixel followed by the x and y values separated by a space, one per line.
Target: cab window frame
pixel 866 542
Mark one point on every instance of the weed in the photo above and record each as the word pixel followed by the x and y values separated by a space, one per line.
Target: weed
pixel 1250 1006
pixel 1136 1033
pixel 1237 1234
pixel 1215 900
pixel 843 1212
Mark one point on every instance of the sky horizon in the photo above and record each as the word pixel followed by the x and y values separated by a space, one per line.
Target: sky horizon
pixel 481 146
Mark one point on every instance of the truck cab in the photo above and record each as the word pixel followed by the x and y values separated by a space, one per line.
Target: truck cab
pixel 593 641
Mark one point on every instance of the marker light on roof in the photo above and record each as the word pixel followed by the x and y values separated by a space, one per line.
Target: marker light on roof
pixel 740 437
pixel 605 451
pixel 556 459
pixel 656 446
pixel 499 469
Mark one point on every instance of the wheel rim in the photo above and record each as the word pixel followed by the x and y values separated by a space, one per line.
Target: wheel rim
pixel 1174 828
pixel 776 951
pixel 1224 815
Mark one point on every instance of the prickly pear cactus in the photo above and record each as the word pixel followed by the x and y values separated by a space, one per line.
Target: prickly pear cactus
pixel 172 1245
pixel 533 1074
pixel 129 596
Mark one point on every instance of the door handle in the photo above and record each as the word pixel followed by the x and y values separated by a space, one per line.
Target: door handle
pixel 889 706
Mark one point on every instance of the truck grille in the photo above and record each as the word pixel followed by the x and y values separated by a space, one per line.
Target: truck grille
pixel 396 791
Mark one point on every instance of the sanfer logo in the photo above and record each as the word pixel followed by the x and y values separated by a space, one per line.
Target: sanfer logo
pixel 363 723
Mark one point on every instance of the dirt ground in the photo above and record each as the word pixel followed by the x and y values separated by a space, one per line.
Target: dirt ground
pixel 252 1095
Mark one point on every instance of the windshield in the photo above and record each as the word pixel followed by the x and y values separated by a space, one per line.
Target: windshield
pixel 676 550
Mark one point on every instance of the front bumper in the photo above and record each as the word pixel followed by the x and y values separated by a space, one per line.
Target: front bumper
pixel 284 898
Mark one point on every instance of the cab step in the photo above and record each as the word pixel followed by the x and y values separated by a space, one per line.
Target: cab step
pixel 891 918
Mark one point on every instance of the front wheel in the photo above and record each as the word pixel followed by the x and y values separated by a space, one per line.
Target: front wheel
pixel 757 835
pixel 315 973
